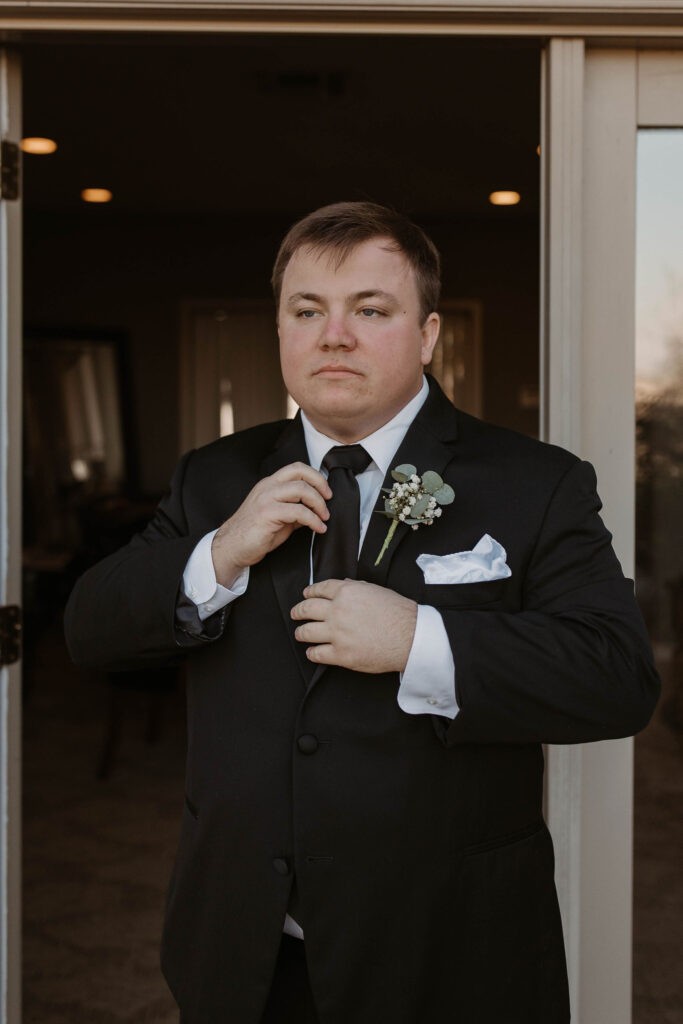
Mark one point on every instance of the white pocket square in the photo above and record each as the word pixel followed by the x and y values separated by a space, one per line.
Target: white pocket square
pixel 486 561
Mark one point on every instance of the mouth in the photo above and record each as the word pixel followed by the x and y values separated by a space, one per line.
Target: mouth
pixel 335 372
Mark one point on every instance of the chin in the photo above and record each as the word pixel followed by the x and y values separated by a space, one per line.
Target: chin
pixel 337 410
pixel 334 409
pixel 326 394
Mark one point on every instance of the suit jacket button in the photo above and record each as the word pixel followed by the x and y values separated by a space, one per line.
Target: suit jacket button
pixel 281 866
pixel 307 744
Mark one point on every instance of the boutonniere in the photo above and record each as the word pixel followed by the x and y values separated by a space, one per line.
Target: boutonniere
pixel 413 500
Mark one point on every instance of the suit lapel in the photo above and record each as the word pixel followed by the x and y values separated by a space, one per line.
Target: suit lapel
pixel 424 447
pixel 290 563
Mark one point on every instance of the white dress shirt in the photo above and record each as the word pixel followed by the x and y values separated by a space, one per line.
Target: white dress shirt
pixel 427 684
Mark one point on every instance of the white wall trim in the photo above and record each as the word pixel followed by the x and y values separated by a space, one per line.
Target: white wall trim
pixel 660 89
pixel 608 440
pixel 562 168
pixel 560 375
pixel 611 22
pixel 614 10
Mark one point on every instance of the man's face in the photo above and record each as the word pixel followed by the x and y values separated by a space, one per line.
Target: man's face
pixel 352 346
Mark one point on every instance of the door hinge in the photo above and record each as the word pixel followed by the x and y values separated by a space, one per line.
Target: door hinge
pixel 10 169
pixel 10 634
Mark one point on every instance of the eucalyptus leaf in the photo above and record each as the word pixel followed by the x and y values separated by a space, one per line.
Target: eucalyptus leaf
pixel 445 495
pixel 420 507
pixel 387 507
pixel 403 473
pixel 431 482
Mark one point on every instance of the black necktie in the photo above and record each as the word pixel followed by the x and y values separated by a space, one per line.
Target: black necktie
pixel 335 553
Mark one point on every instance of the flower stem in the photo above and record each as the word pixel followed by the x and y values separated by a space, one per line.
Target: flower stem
pixel 387 542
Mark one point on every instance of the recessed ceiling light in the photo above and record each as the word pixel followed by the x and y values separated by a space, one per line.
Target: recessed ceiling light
pixel 96 195
pixel 37 145
pixel 504 198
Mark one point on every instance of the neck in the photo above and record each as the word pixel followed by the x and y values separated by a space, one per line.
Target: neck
pixel 341 436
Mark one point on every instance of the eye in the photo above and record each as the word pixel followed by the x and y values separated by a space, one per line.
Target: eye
pixel 369 312
pixel 307 314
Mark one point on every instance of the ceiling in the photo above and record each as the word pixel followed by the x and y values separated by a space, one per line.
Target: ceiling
pixel 261 126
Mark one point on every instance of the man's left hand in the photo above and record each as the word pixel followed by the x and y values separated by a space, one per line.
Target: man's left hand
pixel 356 625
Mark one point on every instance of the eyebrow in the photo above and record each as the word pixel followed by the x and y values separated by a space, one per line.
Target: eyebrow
pixel 374 293
pixel 368 293
pixel 308 296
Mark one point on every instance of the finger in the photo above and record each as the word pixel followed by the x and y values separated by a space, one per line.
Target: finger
pixel 322 654
pixel 315 609
pixel 300 491
pixel 327 589
pixel 302 471
pixel 313 633
pixel 288 513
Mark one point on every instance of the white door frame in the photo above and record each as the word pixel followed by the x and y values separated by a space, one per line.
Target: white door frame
pixel 588 348
pixel 10 555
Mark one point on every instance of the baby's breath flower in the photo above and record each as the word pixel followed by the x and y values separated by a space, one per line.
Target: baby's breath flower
pixel 413 500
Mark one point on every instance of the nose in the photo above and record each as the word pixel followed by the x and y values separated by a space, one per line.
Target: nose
pixel 337 333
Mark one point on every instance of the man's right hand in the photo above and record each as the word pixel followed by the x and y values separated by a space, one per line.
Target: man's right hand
pixel 273 509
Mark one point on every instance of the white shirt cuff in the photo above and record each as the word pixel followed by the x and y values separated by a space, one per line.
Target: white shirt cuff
pixel 200 583
pixel 428 680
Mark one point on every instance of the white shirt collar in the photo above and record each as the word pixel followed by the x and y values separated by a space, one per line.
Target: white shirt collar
pixel 381 446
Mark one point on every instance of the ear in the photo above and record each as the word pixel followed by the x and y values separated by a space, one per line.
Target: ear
pixel 430 334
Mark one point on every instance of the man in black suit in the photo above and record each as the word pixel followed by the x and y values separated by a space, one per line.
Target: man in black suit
pixel 362 838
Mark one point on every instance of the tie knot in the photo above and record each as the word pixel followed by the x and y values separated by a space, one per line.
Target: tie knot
pixel 348 456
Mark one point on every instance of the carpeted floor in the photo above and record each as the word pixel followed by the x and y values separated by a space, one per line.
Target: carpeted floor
pixel 98 855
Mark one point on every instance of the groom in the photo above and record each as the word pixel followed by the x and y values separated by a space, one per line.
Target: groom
pixel 362 837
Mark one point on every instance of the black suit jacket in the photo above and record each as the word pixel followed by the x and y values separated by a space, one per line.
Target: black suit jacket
pixel 424 867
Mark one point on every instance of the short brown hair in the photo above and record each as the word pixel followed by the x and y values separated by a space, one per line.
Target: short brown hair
pixel 343 226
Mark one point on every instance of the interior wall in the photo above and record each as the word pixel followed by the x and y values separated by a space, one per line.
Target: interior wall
pixel 104 269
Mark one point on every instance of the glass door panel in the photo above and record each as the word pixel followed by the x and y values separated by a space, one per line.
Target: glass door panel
pixel 658 906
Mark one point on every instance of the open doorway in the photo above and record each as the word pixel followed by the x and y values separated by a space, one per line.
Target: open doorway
pixel 210 150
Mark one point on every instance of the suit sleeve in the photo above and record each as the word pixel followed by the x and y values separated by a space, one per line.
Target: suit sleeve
pixel 129 611
pixel 574 664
